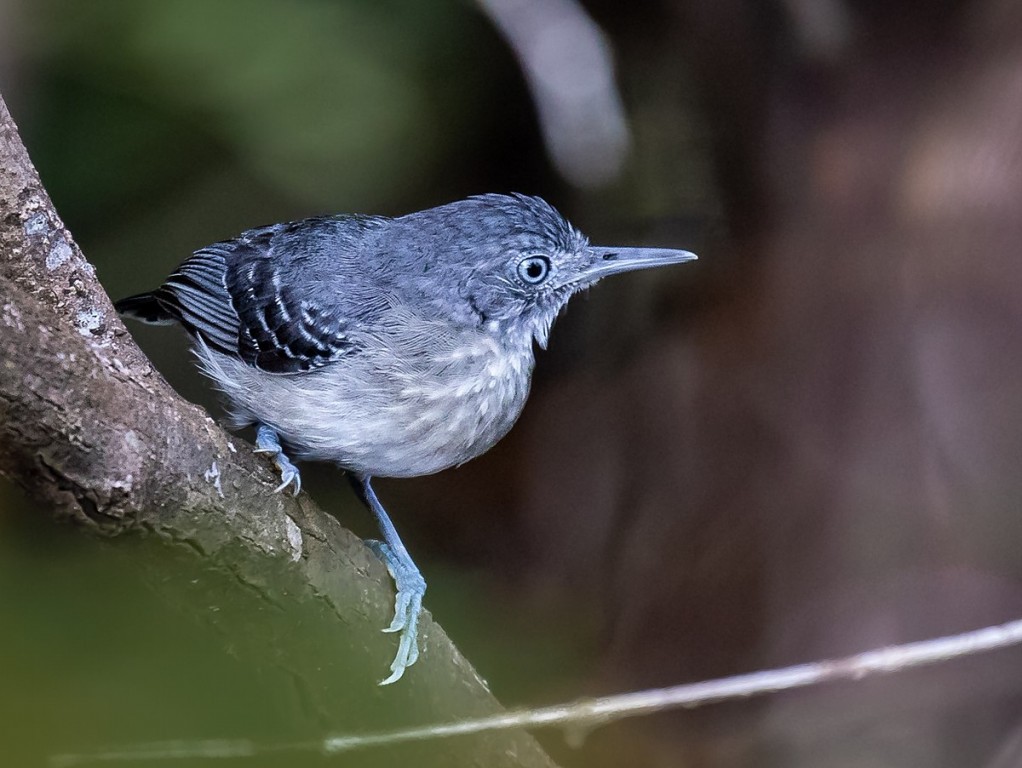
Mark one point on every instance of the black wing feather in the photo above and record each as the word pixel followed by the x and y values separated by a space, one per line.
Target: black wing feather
pixel 196 295
pixel 235 296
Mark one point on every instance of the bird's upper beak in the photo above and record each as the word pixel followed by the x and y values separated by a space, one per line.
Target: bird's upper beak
pixel 610 261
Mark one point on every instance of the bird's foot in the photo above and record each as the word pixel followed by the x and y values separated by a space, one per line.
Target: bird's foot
pixel 268 442
pixel 411 588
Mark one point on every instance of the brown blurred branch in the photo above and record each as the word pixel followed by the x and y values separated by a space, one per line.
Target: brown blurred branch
pixel 90 430
pixel 568 65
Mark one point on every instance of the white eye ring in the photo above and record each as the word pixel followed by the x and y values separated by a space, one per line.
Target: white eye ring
pixel 534 269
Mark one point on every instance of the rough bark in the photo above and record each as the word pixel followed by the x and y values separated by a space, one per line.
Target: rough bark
pixel 91 431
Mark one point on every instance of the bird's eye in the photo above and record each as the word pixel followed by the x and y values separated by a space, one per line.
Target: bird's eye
pixel 534 270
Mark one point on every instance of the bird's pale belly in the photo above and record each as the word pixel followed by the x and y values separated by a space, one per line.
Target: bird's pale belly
pixel 415 436
pixel 400 425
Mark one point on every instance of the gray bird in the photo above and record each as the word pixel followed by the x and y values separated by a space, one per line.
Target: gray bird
pixel 393 347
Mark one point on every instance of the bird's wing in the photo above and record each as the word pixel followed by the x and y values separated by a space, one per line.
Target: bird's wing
pixel 270 297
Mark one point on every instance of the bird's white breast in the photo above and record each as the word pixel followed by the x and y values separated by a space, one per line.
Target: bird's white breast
pixel 397 412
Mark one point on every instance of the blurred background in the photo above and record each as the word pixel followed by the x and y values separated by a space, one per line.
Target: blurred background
pixel 805 445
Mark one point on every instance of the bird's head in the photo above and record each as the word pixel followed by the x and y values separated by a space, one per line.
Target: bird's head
pixel 513 261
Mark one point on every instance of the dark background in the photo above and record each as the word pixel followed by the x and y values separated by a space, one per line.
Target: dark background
pixel 804 445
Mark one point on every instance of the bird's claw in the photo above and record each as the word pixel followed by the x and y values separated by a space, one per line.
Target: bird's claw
pixel 288 474
pixel 407 652
pixel 268 442
pixel 411 588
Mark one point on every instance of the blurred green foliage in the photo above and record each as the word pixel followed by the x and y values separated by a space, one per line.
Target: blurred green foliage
pixel 338 105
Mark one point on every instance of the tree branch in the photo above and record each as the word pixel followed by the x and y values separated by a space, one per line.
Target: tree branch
pixel 93 432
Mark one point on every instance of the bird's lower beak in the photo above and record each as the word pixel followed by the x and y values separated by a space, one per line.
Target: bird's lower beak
pixel 610 261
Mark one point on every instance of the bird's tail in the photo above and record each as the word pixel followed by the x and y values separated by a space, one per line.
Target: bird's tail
pixel 145 307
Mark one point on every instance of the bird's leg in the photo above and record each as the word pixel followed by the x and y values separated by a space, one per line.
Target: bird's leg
pixel 268 442
pixel 409 582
